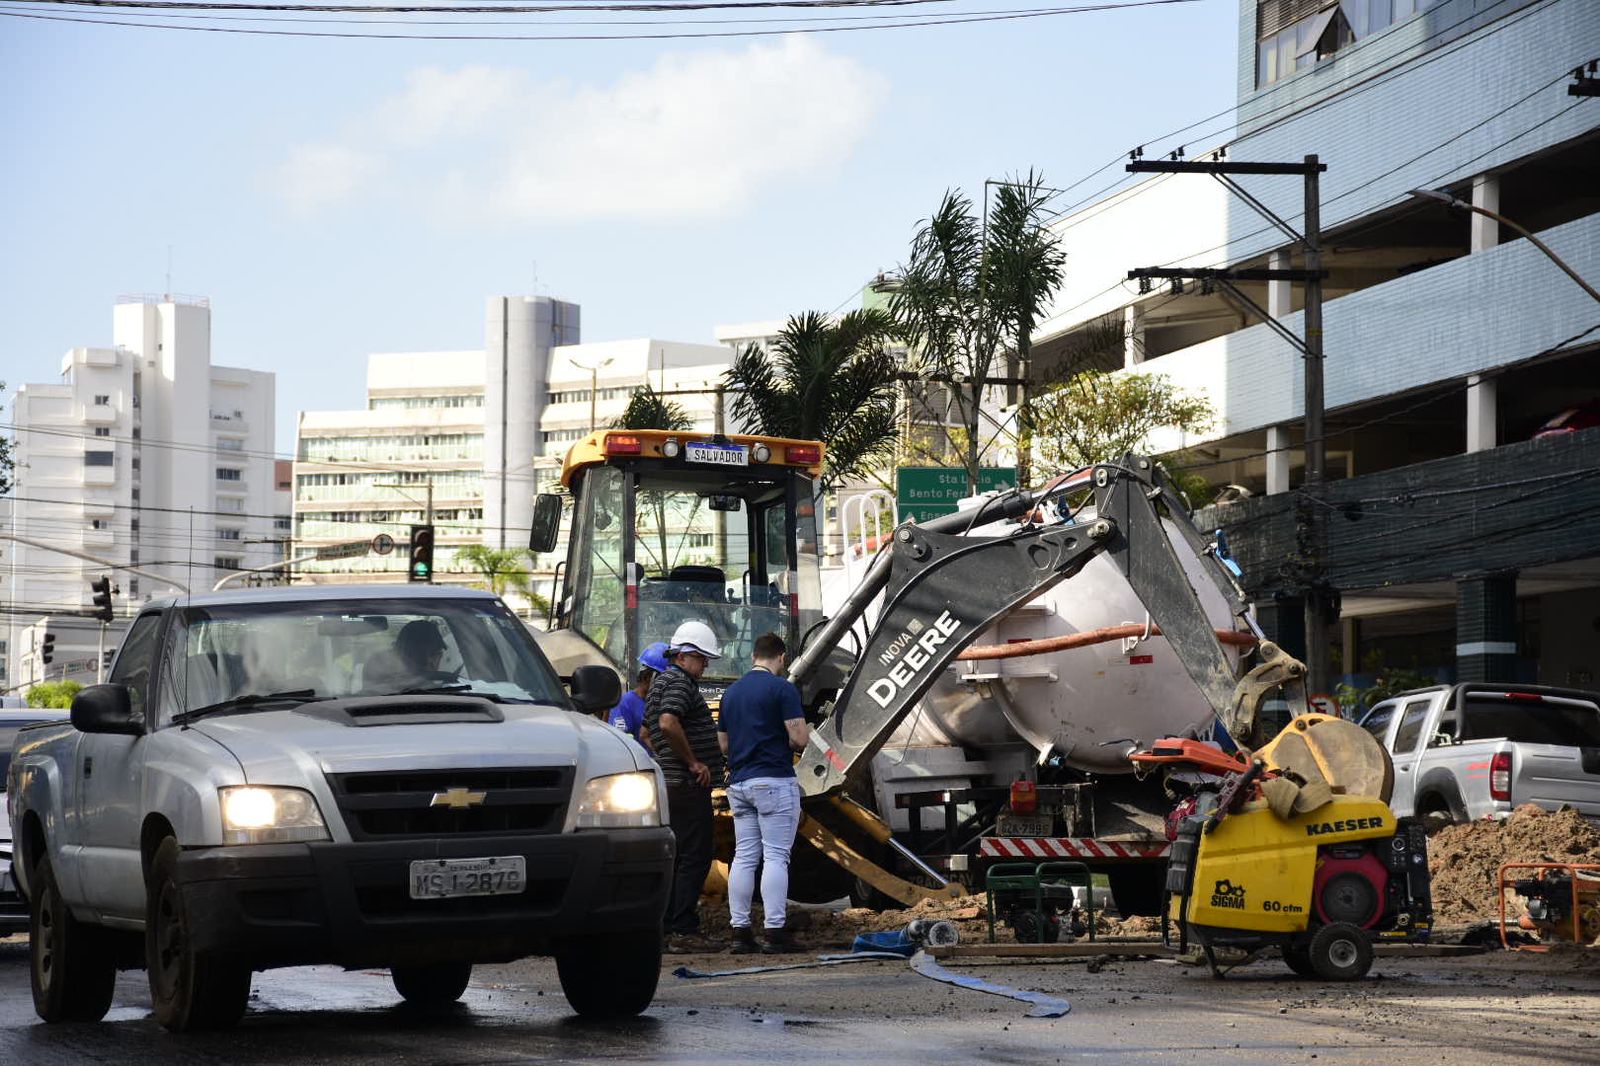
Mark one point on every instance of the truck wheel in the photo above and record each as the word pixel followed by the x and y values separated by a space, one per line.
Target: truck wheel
pixel 1298 957
pixel 189 989
pixel 438 985
pixel 611 976
pixel 74 968
pixel 1138 890
pixel 1340 952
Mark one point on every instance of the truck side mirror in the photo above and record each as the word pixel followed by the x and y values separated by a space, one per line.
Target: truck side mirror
pixel 106 709
pixel 595 688
pixel 546 522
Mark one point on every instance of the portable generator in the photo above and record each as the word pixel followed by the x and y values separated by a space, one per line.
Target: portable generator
pixel 1321 886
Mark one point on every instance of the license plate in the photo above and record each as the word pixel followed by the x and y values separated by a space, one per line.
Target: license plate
pixel 1024 825
pixel 503 875
pixel 718 454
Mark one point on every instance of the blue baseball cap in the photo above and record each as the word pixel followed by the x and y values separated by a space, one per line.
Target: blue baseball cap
pixel 655 657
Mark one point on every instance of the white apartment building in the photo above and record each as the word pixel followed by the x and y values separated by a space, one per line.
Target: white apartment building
pixel 486 429
pixel 1462 546
pixel 144 454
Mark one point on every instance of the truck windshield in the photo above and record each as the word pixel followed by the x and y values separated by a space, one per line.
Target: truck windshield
pixel 1563 722
pixel 321 649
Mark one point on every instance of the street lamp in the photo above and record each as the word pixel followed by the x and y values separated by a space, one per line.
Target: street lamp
pixel 594 384
pixel 1462 205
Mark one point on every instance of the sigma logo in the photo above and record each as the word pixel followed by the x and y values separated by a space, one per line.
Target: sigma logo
pixel 1228 896
pixel 918 649
pixel 1344 825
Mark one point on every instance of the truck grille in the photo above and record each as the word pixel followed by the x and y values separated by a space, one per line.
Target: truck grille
pixel 398 804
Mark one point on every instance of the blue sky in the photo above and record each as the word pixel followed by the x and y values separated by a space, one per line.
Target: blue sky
pixel 335 198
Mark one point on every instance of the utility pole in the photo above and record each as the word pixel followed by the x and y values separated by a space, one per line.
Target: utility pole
pixel 1311 527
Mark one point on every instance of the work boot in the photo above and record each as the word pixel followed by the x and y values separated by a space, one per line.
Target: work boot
pixel 779 942
pixel 744 941
pixel 686 944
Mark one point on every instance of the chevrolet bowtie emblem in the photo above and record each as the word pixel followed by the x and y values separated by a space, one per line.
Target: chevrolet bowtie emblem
pixel 458 799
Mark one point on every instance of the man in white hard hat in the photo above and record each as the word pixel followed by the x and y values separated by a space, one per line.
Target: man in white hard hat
pixel 684 737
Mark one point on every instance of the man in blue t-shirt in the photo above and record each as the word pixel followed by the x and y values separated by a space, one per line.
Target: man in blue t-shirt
pixel 628 714
pixel 761 725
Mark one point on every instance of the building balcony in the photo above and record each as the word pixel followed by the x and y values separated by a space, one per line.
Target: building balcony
pixel 98 538
pixel 97 414
pixel 99 476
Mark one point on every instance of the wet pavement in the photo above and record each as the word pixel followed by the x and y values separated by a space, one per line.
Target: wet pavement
pixel 1488 1009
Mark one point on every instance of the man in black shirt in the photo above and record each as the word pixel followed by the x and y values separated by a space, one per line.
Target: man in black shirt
pixel 684 737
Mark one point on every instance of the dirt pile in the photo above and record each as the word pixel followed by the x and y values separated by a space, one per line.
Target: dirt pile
pixel 1465 859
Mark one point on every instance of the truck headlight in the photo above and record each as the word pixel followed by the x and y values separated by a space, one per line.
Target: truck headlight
pixel 619 800
pixel 257 814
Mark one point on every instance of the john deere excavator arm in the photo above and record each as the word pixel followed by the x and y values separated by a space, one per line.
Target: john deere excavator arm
pixel 942 589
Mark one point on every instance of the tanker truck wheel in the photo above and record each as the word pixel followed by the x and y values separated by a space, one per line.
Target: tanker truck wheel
pixel 1137 890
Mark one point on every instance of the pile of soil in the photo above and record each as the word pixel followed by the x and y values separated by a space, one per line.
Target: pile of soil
pixel 1465 860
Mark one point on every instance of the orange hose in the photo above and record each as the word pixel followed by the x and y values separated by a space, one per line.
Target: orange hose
pixel 1083 640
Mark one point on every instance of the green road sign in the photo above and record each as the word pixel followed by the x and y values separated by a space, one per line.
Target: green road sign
pixel 924 492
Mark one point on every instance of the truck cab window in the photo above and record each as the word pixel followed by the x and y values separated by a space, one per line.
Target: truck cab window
pixel 1377 720
pixel 1409 734
pixel 133 664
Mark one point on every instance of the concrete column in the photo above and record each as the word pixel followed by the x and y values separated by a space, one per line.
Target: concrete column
pixel 1481 411
pixel 1277 459
pixel 1350 632
pixel 1133 335
pixel 1486 627
pixel 1280 301
pixel 1283 618
pixel 1485 194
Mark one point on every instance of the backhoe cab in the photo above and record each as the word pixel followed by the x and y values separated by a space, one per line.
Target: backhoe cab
pixel 672 526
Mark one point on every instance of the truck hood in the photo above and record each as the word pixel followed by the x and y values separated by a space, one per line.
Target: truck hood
pixel 288 747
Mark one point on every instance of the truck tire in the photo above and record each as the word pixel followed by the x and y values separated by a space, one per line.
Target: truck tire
pixel 1137 890
pixel 1340 952
pixel 73 964
pixel 189 989
pixel 612 975
pixel 433 986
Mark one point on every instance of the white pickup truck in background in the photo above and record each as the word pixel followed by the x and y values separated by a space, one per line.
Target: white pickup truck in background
pixel 1477 750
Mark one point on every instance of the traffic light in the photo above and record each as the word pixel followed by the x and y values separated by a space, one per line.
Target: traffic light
pixel 101 588
pixel 47 648
pixel 421 555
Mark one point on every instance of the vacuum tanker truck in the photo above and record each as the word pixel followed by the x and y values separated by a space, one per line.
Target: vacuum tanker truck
pixel 977 682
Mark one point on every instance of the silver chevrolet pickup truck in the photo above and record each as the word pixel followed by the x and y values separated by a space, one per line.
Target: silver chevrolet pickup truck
pixel 1477 750
pixel 372 777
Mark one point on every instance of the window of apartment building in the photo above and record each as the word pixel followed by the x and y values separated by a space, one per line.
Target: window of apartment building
pixel 136 433
pixel 231 505
pixel 229 444
pixel 282 522
pixel 97 523
pixel 228 473
pixel 1292 35
pixel 102 400
pixel 99 458
pixel 555 436
pixel 227 534
pixel 133 524
pixel 136 462
pixel 102 431
pixel 133 586
pixel 133 556
pixel 135 491
pixel 225 562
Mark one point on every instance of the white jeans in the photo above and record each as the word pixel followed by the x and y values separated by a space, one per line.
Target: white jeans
pixel 766 813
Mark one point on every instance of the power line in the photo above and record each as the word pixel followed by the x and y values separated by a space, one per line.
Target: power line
pixel 930 20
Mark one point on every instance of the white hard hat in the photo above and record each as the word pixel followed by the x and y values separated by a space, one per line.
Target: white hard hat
pixel 695 635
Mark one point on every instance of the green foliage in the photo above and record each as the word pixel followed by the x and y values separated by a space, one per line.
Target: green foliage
pixel 971 291
pixel 54 694
pixel 503 569
pixel 648 409
pixel 1093 417
pixel 823 380
pixel 1388 681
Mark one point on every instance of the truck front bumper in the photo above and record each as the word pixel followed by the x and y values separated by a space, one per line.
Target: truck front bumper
pixel 350 904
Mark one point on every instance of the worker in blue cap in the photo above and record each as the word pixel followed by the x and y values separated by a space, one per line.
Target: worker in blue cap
pixel 628 715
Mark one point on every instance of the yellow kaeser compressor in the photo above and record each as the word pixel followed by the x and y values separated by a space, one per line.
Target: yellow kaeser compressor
pixel 1321 885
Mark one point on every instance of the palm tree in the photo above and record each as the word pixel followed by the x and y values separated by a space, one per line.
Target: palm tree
pixel 503 569
pixel 648 409
pixel 974 287
pixel 832 381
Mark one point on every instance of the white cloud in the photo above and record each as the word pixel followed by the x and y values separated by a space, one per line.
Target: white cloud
pixel 696 135
pixel 316 175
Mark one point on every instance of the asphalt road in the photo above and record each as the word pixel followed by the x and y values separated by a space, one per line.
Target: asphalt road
pixel 1490 1009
